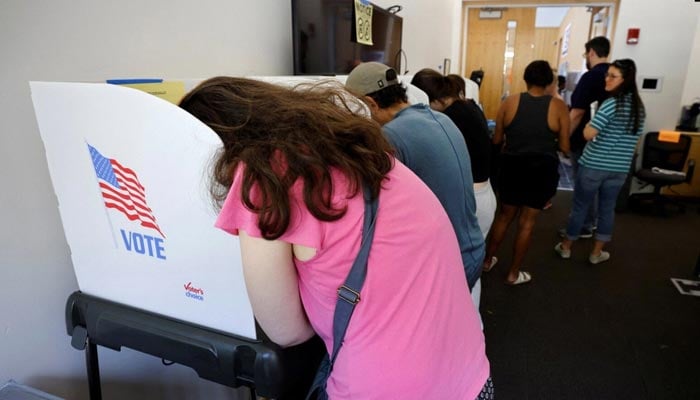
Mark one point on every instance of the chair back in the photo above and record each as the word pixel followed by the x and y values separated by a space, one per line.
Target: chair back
pixel 665 155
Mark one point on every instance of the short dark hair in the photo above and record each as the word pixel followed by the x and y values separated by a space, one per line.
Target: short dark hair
pixel 600 45
pixel 389 96
pixel 538 73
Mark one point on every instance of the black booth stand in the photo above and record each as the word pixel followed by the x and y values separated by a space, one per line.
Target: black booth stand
pixel 267 369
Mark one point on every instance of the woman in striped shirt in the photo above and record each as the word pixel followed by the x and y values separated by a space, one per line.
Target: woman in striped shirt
pixel 612 138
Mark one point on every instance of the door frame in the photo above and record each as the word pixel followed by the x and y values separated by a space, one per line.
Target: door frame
pixel 467 4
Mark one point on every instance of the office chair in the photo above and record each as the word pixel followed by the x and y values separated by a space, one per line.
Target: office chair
pixel 662 164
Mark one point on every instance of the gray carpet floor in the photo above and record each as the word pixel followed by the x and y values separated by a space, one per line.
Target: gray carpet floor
pixel 617 330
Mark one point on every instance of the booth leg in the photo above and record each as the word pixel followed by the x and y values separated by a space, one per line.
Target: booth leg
pixel 93 370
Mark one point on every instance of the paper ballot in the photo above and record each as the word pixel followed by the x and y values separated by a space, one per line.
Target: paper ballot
pixel 129 171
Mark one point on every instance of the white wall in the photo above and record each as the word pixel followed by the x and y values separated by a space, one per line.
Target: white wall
pixel 667 36
pixel 430 32
pixel 550 17
pixel 91 40
pixel 691 92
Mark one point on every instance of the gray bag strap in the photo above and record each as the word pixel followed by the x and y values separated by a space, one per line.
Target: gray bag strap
pixel 349 292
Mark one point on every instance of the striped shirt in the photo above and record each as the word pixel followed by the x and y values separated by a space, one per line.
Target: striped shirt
pixel 612 149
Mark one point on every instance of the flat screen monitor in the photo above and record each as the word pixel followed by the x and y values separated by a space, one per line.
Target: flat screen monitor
pixel 323 40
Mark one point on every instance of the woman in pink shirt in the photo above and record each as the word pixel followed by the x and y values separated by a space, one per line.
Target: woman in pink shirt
pixel 289 182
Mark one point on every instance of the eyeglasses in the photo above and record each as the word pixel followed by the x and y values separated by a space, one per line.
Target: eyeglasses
pixel 612 76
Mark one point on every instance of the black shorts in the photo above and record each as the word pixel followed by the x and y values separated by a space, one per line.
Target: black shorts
pixel 529 180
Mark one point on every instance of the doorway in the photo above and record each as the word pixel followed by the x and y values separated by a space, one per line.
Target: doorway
pixel 501 41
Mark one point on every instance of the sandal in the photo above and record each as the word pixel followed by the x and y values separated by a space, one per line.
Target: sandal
pixel 523 277
pixel 490 265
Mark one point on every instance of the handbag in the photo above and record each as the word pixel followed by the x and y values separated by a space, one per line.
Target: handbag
pixel 348 297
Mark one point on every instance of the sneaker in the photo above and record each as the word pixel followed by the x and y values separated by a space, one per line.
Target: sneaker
pixel 602 257
pixel 565 254
pixel 585 233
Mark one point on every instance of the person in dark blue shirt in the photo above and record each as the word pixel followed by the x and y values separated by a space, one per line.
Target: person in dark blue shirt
pixel 589 90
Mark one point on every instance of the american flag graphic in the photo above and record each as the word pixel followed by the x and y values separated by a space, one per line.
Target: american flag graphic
pixel 122 191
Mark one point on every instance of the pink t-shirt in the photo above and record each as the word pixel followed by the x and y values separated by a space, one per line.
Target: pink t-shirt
pixel 415 334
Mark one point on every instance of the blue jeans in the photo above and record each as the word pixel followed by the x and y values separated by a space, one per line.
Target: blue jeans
pixel 592 215
pixel 589 183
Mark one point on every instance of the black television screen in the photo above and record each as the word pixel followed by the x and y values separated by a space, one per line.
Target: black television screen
pixel 323 40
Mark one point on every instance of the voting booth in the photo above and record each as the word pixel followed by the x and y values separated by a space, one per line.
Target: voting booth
pixel 130 175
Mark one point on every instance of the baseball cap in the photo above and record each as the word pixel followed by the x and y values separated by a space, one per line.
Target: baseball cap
pixel 371 77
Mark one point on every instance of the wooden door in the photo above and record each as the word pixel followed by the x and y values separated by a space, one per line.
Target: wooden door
pixel 547 45
pixel 486 45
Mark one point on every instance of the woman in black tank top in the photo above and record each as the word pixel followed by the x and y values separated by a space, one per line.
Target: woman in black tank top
pixel 528 126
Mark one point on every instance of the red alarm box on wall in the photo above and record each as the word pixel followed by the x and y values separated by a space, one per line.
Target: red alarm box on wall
pixel 633 36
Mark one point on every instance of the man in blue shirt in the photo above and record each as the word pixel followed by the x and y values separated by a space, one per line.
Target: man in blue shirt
pixel 432 146
pixel 589 90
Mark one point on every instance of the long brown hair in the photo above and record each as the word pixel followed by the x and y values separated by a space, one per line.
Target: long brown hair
pixel 628 69
pixel 281 135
